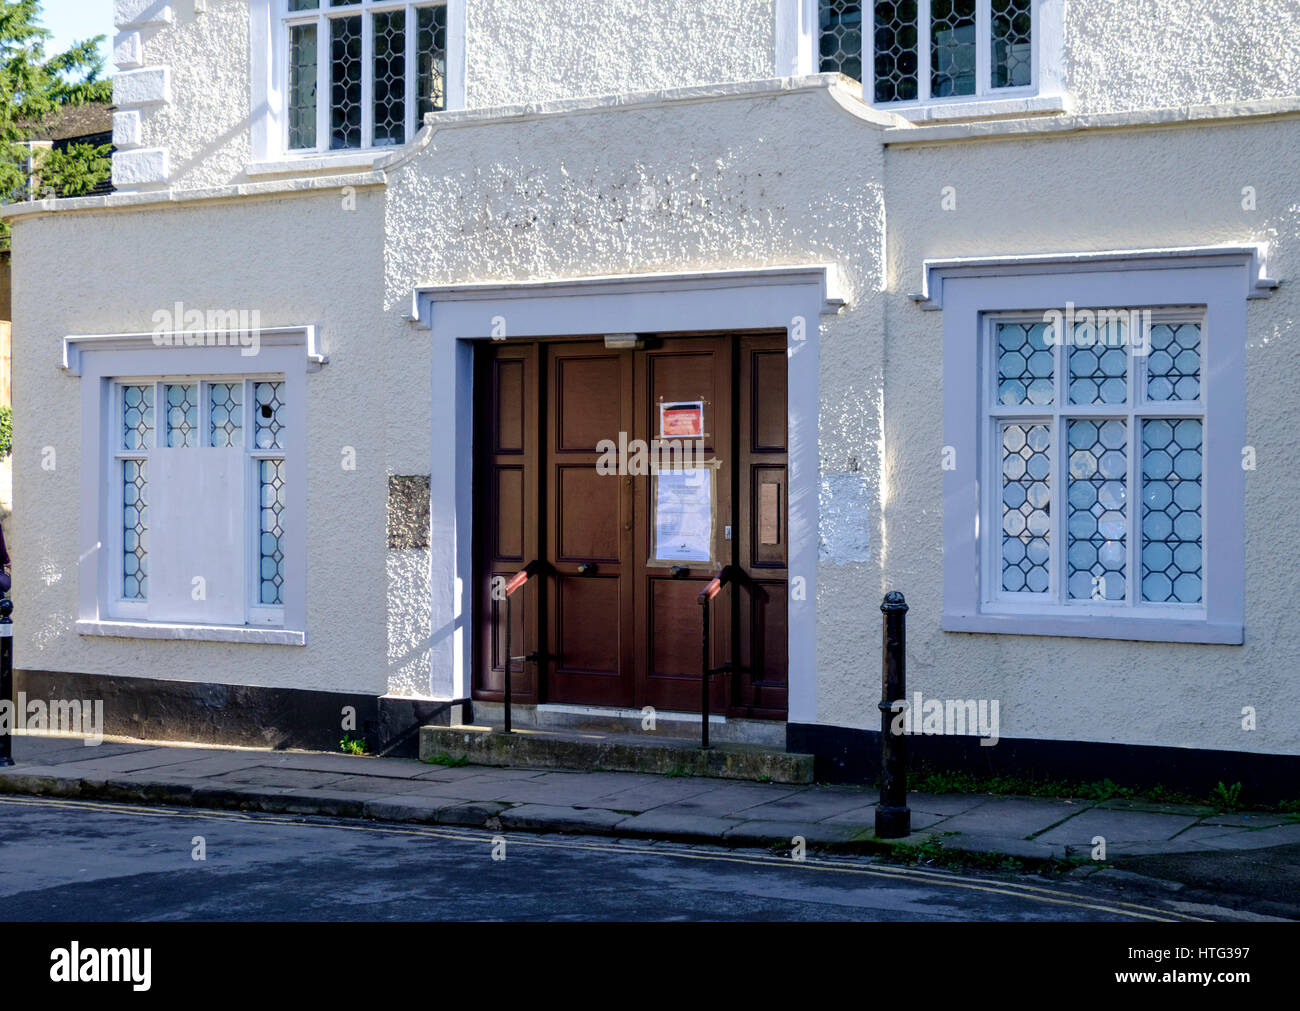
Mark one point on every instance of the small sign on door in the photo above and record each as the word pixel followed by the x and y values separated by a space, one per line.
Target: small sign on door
pixel 683 420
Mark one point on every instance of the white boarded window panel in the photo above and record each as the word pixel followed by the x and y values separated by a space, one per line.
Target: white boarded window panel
pixel 200 493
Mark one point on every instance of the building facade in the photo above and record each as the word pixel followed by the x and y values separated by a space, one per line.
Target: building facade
pixel 995 313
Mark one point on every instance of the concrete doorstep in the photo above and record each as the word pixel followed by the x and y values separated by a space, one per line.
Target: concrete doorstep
pixel 1029 831
pixel 614 752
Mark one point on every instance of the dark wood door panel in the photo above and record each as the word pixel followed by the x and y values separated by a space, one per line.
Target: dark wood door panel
pixel 588 521
pixel 765 520
pixel 588 386
pixel 508 405
pixel 512 515
pixel 588 525
pixel 668 627
pixel 760 684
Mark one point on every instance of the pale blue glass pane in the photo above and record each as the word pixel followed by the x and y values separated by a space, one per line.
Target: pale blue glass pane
pixel 1174 362
pixel 269 415
pixel 1172 554
pixel 1097 510
pixel 226 425
pixel 1026 508
pixel 1025 363
pixel 1099 365
pixel 137 417
pixel 271 531
pixel 135 529
pixel 182 416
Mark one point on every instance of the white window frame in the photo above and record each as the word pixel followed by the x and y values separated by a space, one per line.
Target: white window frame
pixel 1133 411
pixel 1217 280
pixel 269 60
pixel 105 363
pixel 799 19
pixel 132 609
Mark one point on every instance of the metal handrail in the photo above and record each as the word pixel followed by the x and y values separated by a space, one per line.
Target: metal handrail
pixel 727 574
pixel 516 582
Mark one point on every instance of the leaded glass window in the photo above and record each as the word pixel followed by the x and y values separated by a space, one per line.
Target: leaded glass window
pixel 136 407
pixel 269 437
pixel 302 86
pixel 840 23
pixel 380 66
pixel 919 50
pixel 1095 436
pixel 161 417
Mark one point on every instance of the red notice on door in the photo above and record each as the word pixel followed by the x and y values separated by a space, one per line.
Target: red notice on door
pixel 681 420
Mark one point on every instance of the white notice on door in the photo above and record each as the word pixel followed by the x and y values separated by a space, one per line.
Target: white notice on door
pixel 684 515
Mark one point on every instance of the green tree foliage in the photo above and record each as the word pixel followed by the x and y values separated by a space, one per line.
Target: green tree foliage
pixel 34 87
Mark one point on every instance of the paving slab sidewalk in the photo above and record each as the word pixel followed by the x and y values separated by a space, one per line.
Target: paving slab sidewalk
pixel 726 812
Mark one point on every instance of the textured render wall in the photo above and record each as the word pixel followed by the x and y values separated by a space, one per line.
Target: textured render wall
pixel 537 50
pixel 300 259
pixel 1153 53
pixel 1129 189
pixel 517 51
pixel 204 127
pixel 750 182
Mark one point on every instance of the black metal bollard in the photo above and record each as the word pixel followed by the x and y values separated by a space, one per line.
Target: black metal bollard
pixel 7 679
pixel 510 662
pixel 705 598
pixel 893 819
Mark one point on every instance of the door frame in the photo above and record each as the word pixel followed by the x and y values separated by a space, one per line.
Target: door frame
pixel 789 298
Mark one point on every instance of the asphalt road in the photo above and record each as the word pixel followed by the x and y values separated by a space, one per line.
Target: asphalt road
pixel 85 861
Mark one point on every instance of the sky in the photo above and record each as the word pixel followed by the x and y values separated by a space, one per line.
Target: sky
pixel 74 20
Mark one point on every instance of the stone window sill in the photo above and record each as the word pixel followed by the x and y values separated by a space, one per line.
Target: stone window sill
pixel 1092 627
pixel 194 633
pixel 361 158
pixel 990 108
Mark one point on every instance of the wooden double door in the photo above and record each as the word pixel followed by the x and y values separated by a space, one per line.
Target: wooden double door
pixel 578 467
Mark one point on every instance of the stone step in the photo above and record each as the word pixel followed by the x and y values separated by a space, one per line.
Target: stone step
pixel 601 719
pixel 613 752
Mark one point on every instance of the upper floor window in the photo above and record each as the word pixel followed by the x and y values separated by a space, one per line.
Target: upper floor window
pixel 361 73
pixel 931 49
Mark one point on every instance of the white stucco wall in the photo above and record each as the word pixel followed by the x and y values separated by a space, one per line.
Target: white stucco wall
pixel 1158 53
pixel 202 124
pixel 1118 57
pixel 1108 190
pixel 538 50
pixel 298 259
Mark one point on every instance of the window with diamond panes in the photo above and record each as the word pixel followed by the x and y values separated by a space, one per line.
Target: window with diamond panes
pixel 193 417
pixel 138 421
pixel 182 416
pixel 840 23
pixel 923 50
pixel 1083 419
pixel 268 417
pixel 379 65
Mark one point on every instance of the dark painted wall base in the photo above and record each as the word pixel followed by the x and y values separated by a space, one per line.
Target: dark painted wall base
pixel 846 755
pixel 242 715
